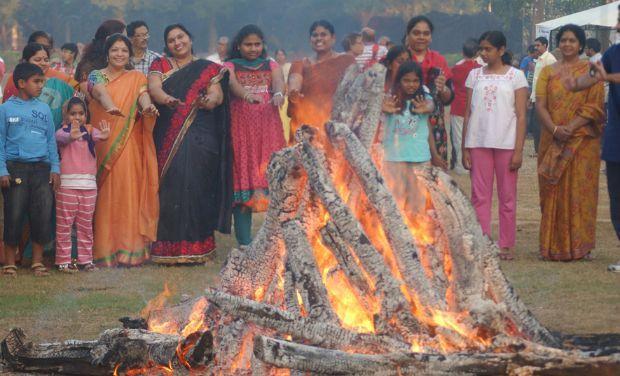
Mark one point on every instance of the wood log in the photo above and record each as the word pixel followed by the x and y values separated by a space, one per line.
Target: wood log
pixel 125 348
pixel 255 266
pixel 134 348
pixel 346 259
pixel 370 106
pixel 394 225
pixel 287 354
pixel 345 98
pixel 291 301
pixel 316 333
pixel 481 247
pixel 307 358
pixel 305 273
pixel 394 303
pixel 69 357
pixel 358 102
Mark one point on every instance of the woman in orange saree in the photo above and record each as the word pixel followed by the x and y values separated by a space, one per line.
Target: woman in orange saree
pixel 127 202
pixel 313 82
pixel 569 153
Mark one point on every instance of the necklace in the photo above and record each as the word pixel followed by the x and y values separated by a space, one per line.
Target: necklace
pixel 179 66
pixel 110 76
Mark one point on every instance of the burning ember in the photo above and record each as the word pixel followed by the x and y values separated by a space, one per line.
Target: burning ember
pixel 348 275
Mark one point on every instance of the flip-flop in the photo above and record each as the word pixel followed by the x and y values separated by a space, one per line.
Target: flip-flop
pixel 9 271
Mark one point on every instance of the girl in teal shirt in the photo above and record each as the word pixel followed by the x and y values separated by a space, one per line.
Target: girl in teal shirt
pixel 408 142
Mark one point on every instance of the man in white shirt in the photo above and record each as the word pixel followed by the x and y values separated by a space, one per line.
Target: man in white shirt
pixel 544 58
pixel 593 50
pixel 373 52
pixel 221 53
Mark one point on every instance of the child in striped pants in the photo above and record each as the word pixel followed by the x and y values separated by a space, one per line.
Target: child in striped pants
pixel 76 198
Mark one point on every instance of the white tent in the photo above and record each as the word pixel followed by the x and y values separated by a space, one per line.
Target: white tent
pixel 605 15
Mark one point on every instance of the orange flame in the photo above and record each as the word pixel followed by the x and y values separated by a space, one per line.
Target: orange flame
pixel 166 325
pixel 300 302
pixel 159 324
pixel 156 303
pixel 196 318
pixel 242 360
pixel 151 368
pixel 345 301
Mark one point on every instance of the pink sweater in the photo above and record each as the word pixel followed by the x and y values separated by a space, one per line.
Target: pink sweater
pixel 76 159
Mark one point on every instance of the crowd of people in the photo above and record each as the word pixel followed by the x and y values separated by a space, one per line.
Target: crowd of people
pixel 142 155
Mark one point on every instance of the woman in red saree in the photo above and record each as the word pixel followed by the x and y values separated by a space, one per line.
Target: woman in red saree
pixel 192 140
pixel 127 206
pixel 313 82
pixel 569 153
pixel 437 77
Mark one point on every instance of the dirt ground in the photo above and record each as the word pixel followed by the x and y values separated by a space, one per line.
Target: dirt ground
pixel 578 297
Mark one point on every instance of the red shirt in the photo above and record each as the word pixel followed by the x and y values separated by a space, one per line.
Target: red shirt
pixel 459 75
pixel 433 59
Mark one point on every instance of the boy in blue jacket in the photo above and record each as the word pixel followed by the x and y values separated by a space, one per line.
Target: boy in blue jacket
pixel 29 167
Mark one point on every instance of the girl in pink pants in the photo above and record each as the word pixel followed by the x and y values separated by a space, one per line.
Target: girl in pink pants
pixel 76 198
pixel 493 136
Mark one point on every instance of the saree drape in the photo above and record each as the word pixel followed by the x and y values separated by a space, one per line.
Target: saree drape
pixel 194 161
pixel 568 172
pixel 127 205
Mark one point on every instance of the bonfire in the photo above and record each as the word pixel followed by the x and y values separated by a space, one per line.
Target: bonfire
pixel 342 278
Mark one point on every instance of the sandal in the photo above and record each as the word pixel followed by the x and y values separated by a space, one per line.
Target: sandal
pixel 39 270
pixel 9 271
pixel 90 267
pixel 67 268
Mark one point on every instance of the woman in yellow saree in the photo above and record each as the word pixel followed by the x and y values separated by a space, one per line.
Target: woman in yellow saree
pixel 569 153
pixel 127 203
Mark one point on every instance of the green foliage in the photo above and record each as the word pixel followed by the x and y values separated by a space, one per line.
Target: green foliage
pixel 284 22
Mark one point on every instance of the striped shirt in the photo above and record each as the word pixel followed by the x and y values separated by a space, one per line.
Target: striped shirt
pixel 364 59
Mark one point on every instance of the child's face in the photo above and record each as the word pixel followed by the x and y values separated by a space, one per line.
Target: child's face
pixel 41 59
pixel 402 58
pixel 76 114
pixel 489 53
pixel 32 86
pixel 410 83
pixel 251 47
pixel 357 48
pixel 67 56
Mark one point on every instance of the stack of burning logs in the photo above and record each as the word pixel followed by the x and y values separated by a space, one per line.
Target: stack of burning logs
pixel 341 279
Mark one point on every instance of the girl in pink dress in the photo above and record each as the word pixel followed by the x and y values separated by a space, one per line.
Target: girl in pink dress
pixel 256 129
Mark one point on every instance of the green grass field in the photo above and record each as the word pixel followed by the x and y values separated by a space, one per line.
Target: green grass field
pixel 579 297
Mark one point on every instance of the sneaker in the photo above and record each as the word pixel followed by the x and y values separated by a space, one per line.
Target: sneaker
pixel 614 267
pixel 67 268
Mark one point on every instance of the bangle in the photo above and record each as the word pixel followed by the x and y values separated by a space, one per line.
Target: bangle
pixel 279 93
pixel 554 129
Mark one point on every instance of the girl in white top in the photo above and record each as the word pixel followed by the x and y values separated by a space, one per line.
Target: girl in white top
pixel 493 136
